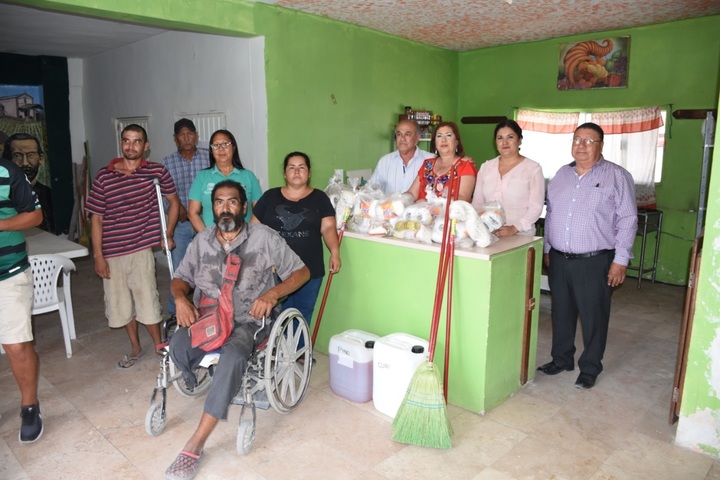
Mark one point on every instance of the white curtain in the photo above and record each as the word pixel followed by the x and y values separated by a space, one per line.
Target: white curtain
pixel 547 137
pixel 631 140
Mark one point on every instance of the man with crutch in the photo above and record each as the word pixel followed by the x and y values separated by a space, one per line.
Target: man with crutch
pixel 125 226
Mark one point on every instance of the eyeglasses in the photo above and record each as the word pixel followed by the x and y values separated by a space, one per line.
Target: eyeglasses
pixel 587 141
pixel 218 146
pixel 29 156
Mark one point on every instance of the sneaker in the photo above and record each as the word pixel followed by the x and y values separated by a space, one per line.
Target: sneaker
pixel 32 426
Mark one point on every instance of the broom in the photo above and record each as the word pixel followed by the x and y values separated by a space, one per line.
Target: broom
pixel 422 417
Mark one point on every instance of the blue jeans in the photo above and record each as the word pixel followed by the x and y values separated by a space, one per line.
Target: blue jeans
pixel 304 300
pixel 184 233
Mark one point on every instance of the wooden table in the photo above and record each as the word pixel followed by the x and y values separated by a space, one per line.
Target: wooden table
pixel 40 242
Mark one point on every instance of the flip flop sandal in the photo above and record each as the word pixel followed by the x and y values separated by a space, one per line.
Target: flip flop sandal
pixel 184 467
pixel 128 361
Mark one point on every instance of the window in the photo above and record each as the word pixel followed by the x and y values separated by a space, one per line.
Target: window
pixel 206 124
pixel 634 139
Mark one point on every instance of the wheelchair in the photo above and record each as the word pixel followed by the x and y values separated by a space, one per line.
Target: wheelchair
pixel 277 375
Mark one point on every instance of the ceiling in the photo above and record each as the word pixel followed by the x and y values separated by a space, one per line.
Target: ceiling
pixel 452 24
pixel 471 24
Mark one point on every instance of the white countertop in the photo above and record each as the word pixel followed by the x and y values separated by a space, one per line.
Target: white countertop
pixel 502 245
pixel 40 242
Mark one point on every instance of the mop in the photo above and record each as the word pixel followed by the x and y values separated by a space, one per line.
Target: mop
pixel 422 417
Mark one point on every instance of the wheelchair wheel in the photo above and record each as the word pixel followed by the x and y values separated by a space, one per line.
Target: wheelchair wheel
pixel 155 419
pixel 287 366
pixel 245 436
pixel 203 381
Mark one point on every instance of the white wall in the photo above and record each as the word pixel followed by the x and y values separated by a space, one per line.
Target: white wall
pixel 77 119
pixel 173 73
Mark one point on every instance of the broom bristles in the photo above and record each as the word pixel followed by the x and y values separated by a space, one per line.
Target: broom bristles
pixel 422 417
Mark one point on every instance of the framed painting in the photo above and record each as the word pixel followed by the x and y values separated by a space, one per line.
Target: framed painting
pixel 592 64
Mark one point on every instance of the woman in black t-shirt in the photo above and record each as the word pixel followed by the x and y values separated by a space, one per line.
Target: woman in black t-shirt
pixel 304 217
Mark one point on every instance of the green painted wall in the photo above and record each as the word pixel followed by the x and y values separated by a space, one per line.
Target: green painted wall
pixel 335 90
pixel 228 17
pixel 699 423
pixel 674 63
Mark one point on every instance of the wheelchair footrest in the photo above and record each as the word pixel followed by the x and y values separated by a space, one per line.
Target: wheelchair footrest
pixel 260 400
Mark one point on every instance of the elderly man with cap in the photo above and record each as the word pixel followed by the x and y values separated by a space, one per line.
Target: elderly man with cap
pixel 183 165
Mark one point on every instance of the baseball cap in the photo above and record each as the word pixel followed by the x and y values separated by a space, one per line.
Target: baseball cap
pixel 184 123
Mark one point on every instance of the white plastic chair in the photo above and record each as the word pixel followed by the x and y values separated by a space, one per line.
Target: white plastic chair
pixel 48 297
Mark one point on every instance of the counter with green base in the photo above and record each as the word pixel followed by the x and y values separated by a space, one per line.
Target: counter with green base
pixel 387 285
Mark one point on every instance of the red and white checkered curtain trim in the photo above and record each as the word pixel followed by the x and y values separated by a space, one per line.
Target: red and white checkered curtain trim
pixel 547 122
pixel 629 121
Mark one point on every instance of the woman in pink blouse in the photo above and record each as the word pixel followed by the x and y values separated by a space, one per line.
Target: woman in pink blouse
pixel 516 182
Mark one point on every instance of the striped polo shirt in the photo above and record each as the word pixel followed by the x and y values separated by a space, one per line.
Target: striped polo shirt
pixel 128 206
pixel 16 196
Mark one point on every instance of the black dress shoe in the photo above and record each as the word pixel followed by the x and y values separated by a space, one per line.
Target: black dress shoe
pixel 552 368
pixel 585 381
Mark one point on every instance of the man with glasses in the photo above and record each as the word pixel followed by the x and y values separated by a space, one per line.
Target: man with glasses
pixel 25 150
pixel 19 209
pixel 183 165
pixel 125 227
pixel 590 229
pixel 396 171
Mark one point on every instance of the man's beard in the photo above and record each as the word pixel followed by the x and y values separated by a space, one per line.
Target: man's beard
pixel 227 222
pixel 30 172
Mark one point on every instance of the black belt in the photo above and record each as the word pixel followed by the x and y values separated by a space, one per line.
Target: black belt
pixel 582 255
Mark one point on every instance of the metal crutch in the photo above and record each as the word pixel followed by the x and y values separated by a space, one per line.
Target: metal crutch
pixel 163 225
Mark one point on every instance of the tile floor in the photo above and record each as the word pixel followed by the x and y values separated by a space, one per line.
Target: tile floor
pixel 94 414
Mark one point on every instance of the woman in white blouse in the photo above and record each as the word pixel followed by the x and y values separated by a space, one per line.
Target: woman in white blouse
pixel 512 180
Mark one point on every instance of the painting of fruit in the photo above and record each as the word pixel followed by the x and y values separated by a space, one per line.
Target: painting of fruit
pixel 590 64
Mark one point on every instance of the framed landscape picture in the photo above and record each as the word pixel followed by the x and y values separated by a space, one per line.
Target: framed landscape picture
pixel 593 64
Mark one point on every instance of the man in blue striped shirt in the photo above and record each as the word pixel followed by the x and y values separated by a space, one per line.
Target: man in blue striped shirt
pixel 183 165
pixel 19 209
pixel 590 228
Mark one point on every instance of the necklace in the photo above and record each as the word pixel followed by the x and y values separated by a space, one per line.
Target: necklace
pixel 226 245
pixel 438 180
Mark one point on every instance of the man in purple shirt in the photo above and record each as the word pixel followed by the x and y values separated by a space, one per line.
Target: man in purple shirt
pixel 590 228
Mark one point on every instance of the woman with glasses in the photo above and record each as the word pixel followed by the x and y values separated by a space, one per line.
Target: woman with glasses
pixel 513 181
pixel 225 164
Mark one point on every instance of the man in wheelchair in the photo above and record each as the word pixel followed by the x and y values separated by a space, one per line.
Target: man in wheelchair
pixel 263 254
